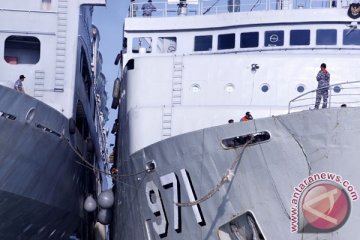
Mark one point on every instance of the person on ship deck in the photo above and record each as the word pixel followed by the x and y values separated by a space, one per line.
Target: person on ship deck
pixel 18 86
pixel 323 78
pixel 247 117
pixel 148 8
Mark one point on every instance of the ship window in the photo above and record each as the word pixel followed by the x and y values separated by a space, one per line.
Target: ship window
pixel 203 43
pixel 299 37
pixel 300 88
pixel 351 37
pixel 226 41
pixel 274 38
pixel 326 37
pixel 166 44
pixel 124 45
pixel 141 45
pixel 265 87
pixel 337 89
pixel 249 39
pixel 22 50
pixel 46 4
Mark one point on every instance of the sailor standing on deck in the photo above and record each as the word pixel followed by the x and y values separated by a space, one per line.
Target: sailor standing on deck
pixel 148 8
pixel 18 86
pixel 323 78
pixel 247 117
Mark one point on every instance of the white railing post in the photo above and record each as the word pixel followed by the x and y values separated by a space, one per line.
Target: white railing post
pixel 165 9
pixel 199 8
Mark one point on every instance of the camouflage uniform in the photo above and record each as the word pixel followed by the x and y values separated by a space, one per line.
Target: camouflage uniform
pixel 18 86
pixel 148 8
pixel 323 79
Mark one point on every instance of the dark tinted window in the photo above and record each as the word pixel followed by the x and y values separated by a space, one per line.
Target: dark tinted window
pixel 299 37
pixel 351 37
pixel 249 39
pixel 326 37
pixel 274 38
pixel 22 50
pixel 203 43
pixel 226 41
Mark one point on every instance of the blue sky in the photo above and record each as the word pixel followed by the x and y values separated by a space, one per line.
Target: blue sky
pixel 109 20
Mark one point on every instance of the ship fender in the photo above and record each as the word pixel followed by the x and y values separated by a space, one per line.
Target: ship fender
pixel 104 216
pixel 90 204
pixel 116 94
pixel 106 199
pixel 100 231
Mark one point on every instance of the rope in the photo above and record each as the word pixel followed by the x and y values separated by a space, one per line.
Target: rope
pixel 207 10
pixel 228 176
pixel 93 167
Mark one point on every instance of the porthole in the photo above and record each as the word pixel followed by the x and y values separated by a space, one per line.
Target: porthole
pixel 195 88
pixel 300 88
pixel 229 88
pixel 337 89
pixel 265 87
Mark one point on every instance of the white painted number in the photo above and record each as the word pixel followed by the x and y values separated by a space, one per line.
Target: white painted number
pixel 170 180
pixel 155 204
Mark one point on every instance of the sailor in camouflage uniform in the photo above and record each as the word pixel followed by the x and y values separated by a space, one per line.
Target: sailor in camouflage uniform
pixel 323 78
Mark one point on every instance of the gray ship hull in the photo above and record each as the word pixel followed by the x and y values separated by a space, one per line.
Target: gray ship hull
pixel 41 185
pixel 264 183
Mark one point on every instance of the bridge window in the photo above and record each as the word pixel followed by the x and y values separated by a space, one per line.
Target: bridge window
pixel 326 37
pixel 351 37
pixel 166 44
pixel 249 39
pixel 274 38
pixel 226 41
pixel 141 45
pixel 299 37
pixel 203 43
pixel 22 50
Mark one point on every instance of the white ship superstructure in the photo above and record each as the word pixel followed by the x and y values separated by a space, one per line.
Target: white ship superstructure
pixel 52 137
pixel 192 66
pixel 215 67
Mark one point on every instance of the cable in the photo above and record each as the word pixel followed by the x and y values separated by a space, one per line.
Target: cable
pixel 228 176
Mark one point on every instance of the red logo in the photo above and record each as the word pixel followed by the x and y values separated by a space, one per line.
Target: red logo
pixel 325 208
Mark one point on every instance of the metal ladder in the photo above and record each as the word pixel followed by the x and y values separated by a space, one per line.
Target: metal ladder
pixel 177 77
pixel 62 18
pixel 39 84
pixel 176 95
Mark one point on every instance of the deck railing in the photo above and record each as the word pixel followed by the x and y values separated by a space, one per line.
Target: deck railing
pixel 347 93
pixel 211 7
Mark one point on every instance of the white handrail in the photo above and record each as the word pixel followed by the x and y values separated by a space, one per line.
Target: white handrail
pixel 164 9
pixel 340 93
